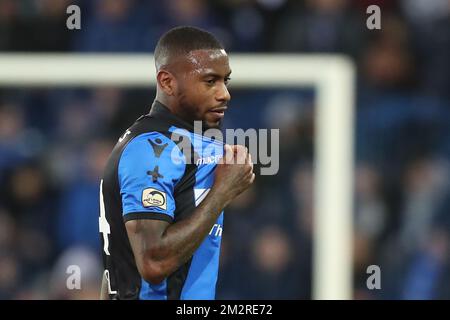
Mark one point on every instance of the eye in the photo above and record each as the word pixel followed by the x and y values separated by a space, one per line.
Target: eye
pixel 210 81
pixel 227 80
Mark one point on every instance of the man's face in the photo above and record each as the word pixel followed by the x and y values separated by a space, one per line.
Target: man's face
pixel 202 86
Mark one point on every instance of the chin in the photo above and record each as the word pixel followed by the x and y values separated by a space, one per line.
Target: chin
pixel 212 124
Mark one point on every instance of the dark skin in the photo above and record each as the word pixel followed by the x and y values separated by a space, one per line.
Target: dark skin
pixel 194 87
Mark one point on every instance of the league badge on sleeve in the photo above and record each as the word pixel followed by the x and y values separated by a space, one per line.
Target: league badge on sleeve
pixel 154 198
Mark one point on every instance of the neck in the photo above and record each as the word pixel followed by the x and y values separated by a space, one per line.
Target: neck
pixel 174 106
pixel 167 101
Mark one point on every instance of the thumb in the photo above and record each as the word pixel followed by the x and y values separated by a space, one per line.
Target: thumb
pixel 228 154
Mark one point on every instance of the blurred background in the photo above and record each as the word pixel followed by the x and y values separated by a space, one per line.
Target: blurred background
pixel 54 144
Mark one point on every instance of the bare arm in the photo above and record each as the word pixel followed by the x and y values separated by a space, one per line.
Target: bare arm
pixel 161 248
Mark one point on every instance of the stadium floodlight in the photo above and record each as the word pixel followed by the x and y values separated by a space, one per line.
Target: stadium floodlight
pixel 331 76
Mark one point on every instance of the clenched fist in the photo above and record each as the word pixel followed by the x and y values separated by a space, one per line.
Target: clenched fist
pixel 234 174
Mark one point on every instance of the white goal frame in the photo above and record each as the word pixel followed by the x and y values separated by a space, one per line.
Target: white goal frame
pixel 331 76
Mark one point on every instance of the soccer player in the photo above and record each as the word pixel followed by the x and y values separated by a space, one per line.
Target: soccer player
pixel 161 207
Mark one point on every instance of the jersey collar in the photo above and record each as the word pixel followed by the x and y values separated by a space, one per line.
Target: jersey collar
pixel 159 110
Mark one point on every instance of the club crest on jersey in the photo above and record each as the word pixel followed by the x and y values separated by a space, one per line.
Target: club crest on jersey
pixel 154 198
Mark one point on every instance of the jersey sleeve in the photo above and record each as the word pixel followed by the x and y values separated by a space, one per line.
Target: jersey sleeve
pixel 149 168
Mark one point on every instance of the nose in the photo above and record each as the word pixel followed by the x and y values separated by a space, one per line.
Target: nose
pixel 223 94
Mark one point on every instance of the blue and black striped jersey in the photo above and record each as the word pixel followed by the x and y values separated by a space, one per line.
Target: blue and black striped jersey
pixel 159 169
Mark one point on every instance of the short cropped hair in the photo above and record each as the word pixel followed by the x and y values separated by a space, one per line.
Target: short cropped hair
pixel 181 41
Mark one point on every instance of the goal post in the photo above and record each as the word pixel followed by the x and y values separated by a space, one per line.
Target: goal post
pixel 332 77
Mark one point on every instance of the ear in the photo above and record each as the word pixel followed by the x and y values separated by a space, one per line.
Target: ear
pixel 166 82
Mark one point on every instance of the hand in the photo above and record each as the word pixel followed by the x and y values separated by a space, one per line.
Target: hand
pixel 234 174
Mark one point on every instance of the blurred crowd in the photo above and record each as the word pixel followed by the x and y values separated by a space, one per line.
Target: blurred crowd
pixel 54 144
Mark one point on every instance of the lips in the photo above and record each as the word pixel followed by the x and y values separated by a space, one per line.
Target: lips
pixel 218 110
pixel 218 113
